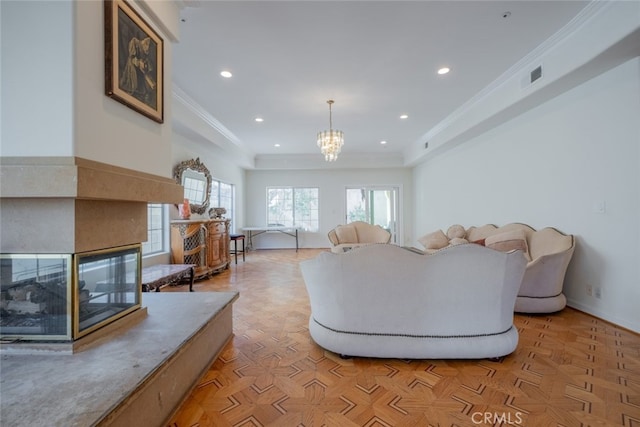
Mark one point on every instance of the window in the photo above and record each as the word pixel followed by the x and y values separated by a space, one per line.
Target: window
pixel 289 206
pixel 223 195
pixel 375 205
pixel 155 229
pixel 226 198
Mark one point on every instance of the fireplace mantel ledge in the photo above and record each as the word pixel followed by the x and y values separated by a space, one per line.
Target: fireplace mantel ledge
pixel 78 178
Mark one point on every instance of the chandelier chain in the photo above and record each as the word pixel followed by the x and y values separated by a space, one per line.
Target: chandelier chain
pixel 330 102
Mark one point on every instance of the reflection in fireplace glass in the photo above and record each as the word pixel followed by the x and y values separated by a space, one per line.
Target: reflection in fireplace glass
pixel 35 298
pixel 108 286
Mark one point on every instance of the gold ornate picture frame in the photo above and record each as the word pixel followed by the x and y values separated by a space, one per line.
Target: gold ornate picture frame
pixel 134 60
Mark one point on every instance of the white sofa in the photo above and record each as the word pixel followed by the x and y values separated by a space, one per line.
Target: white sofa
pixel 548 252
pixel 389 302
pixel 356 234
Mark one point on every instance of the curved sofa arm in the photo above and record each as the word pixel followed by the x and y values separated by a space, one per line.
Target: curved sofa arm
pixel 333 237
pixel 544 276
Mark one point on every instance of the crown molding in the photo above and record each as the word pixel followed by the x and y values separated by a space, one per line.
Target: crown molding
pixel 195 123
pixel 316 161
pixel 204 115
pixel 165 16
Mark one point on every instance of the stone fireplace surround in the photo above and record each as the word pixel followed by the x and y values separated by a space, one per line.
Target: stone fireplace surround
pixel 131 372
pixel 70 204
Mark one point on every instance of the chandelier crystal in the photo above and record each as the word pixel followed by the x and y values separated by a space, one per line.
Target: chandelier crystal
pixel 330 141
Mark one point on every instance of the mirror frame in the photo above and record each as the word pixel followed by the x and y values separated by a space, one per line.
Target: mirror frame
pixel 197 166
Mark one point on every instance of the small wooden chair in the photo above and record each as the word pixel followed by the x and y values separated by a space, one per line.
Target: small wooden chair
pixel 234 238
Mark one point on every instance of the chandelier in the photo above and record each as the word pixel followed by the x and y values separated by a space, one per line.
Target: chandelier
pixel 330 141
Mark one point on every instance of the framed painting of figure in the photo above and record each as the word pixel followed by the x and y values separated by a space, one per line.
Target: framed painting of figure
pixel 133 60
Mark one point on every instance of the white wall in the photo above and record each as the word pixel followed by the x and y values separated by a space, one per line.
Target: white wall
pixel 53 95
pixel 552 166
pixel 332 184
pixel 106 130
pixel 37 78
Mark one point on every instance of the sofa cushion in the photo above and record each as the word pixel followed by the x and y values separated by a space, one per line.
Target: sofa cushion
pixel 478 233
pixel 346 234
pixel 434 240
pixel 508 241
pixel 456 231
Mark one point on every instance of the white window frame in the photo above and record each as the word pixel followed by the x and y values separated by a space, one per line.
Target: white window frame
pixel 153 226
pixel 215 200
pixel 294 220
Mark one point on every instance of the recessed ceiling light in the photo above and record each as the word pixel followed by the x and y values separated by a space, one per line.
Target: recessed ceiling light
pixel 259 119
pixel 404 116
pixel 443 70
pixel 383 142
pixel 226 74
pixel 276 145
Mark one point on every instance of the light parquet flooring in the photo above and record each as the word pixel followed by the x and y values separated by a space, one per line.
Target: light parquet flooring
pixel 570 369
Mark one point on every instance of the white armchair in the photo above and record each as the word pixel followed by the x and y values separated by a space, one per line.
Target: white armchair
pixel 357 233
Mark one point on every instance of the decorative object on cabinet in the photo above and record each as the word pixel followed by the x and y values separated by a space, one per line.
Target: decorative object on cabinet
pixel 194 176
pixel 204 243
pixel 184 210
pixel 217 213
pixel 134 53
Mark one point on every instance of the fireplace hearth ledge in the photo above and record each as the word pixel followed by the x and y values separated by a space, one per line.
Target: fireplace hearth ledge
pixel 139 376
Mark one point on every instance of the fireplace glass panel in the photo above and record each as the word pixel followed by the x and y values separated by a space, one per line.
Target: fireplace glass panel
pixel 35 297
pixel 109 286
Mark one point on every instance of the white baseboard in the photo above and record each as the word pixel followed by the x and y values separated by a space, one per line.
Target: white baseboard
pixel 631 324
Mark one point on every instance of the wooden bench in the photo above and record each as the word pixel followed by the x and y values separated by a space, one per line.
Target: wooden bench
pixel 156 276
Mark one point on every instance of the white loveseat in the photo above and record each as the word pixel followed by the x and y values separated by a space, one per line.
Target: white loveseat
pixel 356 234
pixel 386 301
pixel 548 253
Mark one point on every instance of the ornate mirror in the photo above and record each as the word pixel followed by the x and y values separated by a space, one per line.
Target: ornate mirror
pixel 196 180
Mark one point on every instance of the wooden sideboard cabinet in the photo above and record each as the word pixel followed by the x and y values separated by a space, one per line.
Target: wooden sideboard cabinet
pixel 204 243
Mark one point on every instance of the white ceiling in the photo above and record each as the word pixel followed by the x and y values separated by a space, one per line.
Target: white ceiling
pixel 376 59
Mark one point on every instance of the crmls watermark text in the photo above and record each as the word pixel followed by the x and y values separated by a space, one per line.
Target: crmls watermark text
pixel 493 418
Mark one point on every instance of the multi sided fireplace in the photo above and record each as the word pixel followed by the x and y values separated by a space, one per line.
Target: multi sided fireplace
pixel 63 297
pixel 58 283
